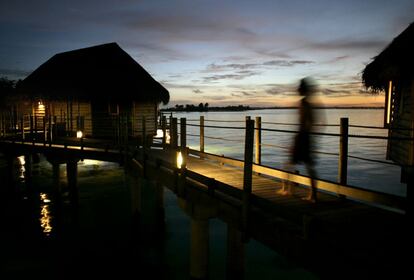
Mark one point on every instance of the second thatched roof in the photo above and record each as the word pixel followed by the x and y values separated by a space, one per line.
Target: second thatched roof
pixel 395 62
pixel 104 72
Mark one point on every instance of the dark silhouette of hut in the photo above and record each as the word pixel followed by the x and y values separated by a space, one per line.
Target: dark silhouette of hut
pixel 89 89
pixel 392 71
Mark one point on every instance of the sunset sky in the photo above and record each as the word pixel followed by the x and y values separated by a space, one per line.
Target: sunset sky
pixel 217 51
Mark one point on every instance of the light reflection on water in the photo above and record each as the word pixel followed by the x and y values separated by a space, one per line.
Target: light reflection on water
pixel 45 214
pixel 22 170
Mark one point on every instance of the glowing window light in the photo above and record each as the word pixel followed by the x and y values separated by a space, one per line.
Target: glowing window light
pixel 160 133
pixel 79 134
pixel 180 160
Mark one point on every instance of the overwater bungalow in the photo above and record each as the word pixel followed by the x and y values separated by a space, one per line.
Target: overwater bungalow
pixel 392 71
pixel 90 90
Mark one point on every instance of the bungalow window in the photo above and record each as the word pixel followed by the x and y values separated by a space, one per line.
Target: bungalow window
pixel 113 109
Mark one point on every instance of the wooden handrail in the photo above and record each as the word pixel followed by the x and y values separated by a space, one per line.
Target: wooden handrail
pixel 353 192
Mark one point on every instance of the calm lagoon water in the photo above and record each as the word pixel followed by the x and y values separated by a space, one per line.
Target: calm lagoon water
pixel 38 238
pixel 97 239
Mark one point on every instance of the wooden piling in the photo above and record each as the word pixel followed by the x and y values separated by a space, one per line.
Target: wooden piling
pixel 72 177
pixel 247 175
pixel 56 178
pixel 235 254
pixel 28 170
pixel 343 152
pixel 199 251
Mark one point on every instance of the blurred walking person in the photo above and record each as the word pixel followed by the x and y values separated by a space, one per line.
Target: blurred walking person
pixel 301 151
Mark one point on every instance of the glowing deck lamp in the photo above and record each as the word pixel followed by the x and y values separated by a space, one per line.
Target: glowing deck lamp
pixel 79 134
pixel 40 105
pixel 180 160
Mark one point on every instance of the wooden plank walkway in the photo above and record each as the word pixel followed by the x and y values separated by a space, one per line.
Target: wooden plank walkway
pixel 268 189
pixel 339 232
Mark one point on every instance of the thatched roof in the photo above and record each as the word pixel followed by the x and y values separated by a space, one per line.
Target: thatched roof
pixel 395 62
pixel 104 72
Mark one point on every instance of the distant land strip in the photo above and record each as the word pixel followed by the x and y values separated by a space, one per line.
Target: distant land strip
pixel 193 108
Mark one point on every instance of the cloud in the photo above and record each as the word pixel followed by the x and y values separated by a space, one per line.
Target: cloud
pixel 213 67
pixel 350 44
pixel 235 76
pixel 218 98
pixel 287 63
pixel 343 57
pixel 197 91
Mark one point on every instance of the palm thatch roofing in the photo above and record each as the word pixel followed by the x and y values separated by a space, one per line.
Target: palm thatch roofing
pixel 103 72
pixel 395 62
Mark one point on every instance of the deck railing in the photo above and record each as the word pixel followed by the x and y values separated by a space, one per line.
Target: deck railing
pixel 125 136
pixel 339 188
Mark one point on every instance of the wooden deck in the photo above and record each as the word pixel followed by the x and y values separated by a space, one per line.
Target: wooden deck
pixel 334 235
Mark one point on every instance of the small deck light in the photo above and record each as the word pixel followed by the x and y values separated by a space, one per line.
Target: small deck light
pixel 40 106
pixel 179 160
pixel 79 134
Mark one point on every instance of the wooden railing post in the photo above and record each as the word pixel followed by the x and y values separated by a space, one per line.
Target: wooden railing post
pixel 35 128
pixel 144 132
pixel 54 129
pixel 258 138
pixel 22 127
pixel 164 131
pixel 343 152
pixel 202 134
pixel 247 175
pixel 126 138
pixel 49 135
pixel 31 128
pixel 44 131
pixel 174 134
pixel 1 124
pixel 183 133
